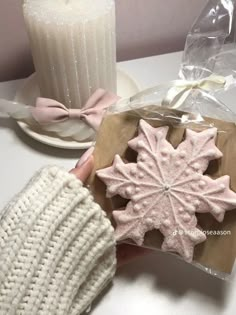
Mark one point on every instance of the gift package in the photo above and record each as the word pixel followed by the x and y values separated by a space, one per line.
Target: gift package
pixel 165 158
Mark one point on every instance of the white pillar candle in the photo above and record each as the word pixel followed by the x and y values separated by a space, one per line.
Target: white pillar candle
pixel 73 46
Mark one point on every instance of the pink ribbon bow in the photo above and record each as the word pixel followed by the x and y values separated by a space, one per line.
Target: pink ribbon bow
pixel 47 111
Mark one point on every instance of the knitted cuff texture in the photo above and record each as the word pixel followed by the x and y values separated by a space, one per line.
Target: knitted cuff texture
pixel 57 248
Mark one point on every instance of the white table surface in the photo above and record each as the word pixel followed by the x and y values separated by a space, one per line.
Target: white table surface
pixel 157 284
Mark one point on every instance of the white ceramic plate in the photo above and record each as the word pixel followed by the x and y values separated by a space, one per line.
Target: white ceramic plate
pixel 126 87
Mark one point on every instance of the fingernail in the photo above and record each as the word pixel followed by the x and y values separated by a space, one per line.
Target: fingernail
pixel 84 158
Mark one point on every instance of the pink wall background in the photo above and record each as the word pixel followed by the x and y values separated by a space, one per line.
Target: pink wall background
pixel 152 27
pixel 144 28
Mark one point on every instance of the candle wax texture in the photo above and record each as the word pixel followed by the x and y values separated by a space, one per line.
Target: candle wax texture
pixel 73 45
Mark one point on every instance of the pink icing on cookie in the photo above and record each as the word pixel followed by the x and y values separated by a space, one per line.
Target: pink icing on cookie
pixel 166 187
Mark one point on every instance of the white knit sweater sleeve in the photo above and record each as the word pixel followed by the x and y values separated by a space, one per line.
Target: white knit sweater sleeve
pixel 57 248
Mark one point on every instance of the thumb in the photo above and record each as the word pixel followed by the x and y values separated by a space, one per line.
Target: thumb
pixel 83 171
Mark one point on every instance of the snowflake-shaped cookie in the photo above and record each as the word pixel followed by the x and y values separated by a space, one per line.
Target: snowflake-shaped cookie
pixel 166 187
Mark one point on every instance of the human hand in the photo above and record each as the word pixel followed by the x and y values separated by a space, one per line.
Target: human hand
pixel 125 252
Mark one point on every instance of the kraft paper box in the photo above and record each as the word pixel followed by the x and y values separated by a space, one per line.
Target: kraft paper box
pixel 217 253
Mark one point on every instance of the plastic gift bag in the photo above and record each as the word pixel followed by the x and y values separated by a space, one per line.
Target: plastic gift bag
pixel 139 161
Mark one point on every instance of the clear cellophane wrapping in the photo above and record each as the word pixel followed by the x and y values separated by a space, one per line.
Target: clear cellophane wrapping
pixel 207 71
